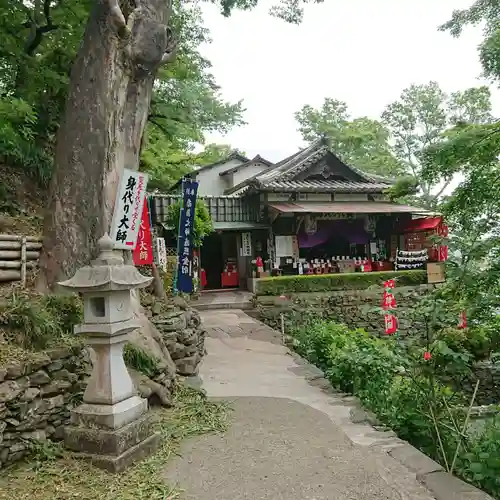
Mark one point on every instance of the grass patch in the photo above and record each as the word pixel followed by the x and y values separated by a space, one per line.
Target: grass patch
pixel 56 475
pixel 31 322
pixel 140 360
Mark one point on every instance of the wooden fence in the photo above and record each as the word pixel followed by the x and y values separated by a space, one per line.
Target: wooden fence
pixel 17 255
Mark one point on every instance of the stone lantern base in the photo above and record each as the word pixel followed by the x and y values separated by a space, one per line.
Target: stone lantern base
pixel 112 437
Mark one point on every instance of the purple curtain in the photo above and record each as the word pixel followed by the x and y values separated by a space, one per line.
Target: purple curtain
pixel 352 230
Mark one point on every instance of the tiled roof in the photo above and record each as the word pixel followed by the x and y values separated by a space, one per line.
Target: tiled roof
pixel 242 187
pixel 328 186
pixel 288 170
pixel 294 164
pixel 283 175
pixel 232 156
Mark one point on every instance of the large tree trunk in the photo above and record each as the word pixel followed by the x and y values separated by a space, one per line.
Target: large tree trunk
pixel 106 112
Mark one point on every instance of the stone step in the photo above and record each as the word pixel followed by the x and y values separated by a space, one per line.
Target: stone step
pixel 243 305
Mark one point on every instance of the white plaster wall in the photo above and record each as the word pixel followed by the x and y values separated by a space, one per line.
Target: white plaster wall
pixel 211 183
pixel 247 172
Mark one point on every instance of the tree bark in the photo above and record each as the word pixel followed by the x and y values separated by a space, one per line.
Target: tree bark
pixel 106 112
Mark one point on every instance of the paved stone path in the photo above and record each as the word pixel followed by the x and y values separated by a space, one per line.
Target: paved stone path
pixel 223 299
pixel 291 438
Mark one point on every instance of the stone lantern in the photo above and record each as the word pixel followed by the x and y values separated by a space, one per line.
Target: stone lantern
pixel 111 427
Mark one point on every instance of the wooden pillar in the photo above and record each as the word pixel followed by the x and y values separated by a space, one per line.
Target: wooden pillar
pixel 241 262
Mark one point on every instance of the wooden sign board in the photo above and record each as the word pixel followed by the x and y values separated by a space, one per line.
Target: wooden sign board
pixel 436 272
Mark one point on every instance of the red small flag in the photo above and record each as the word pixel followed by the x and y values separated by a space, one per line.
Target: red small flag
pixel 427 355
pixel 462 321
pixel 391 324
pixel 389 301
pixel 389 284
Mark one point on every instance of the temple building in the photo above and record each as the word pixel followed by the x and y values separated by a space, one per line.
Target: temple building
pixel 308 214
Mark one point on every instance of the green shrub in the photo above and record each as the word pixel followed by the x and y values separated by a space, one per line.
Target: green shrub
pixel 282 285
pixel 18 122
pixel 492 328
pixel 404 394
pixel 480 463
pixel 474 340
pixel 353 361
pixel 34 321
pixel 169 274
pixel 67 308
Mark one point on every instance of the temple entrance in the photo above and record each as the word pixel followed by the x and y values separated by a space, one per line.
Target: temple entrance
pixel 219 261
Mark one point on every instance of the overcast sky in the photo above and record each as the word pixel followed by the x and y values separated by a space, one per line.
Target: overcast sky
pixel 364 52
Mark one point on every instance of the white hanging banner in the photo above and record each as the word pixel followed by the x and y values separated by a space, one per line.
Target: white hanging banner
pixel 246 244
pixel 161 251
pixel 129 204
pixel 284 246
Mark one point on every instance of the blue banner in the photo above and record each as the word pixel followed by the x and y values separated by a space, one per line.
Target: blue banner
pixel 185 237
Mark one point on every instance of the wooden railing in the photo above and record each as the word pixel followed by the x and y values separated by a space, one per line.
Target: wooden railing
pixel 17 255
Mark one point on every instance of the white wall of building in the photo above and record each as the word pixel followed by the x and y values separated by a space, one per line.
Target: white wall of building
pixel 214 184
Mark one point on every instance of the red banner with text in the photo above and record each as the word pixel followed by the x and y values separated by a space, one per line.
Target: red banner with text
pixel 388 304
pixel 462 320
pixel 143 252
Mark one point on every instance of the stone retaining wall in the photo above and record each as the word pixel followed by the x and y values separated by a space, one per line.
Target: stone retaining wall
pixel 36 398
pixel 352 307
pixel 183 334
pixel 488 392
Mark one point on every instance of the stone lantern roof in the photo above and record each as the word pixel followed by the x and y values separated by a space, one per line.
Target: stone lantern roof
pixel 106 273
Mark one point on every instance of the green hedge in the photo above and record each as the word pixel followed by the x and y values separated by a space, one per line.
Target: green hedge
pixel 282 285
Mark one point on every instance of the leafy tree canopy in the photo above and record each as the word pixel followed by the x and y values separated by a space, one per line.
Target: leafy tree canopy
pixel 202 224
pixel 361 142
pixel 418 119
pixel 393 146
pixel 470 148
pixel 38 43
pixel 486 12
pixel 291 11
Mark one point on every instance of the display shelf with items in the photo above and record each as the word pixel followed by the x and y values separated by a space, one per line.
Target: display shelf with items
pixel 333 265
pixel 360 255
